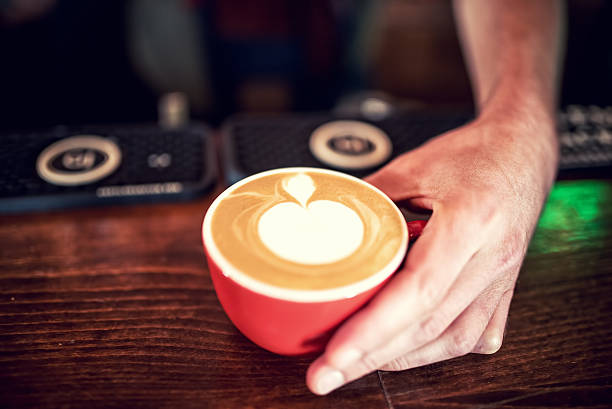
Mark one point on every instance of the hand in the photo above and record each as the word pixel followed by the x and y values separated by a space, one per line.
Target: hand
pixel 485 184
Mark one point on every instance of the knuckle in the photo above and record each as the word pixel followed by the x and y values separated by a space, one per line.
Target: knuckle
pixel 432 327
pixel 462 343
pixel 488 208
pixel 472 216
pixel 482 208
pixel 429 293
pixel 369 363
pixel 512 252
pixel 398 364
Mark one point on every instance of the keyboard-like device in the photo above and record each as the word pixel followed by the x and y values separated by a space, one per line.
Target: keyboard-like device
pixel 359 144
pixel 585 134
pixel 96 165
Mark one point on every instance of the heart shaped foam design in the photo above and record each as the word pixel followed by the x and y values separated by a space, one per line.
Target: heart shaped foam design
pixel 322 232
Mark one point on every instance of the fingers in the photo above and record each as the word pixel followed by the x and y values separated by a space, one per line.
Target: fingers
pixel 491 340
pixel 432 266
pixel 458 339
pixel 412 310
pixel 396 180
pixel 473 299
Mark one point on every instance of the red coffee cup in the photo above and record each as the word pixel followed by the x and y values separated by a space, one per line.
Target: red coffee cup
pixel 289 321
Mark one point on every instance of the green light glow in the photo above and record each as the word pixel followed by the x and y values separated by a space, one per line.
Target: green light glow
pixel 573 215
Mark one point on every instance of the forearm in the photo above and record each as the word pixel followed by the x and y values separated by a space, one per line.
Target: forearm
pixel 512 51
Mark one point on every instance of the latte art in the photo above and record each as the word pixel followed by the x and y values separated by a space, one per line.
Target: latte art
pixel 322 231
pixel 307 230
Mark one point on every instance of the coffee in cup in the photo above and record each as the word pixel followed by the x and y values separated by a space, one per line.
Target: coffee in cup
pixel 293 252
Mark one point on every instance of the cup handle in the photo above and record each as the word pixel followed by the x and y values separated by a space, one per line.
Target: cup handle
pixel 415 228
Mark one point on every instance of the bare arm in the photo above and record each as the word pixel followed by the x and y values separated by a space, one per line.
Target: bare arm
pixel 512 49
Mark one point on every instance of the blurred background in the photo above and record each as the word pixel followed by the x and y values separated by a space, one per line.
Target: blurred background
pixel 108 61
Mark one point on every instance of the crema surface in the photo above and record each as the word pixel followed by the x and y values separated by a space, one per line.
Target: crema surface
pixel 307 230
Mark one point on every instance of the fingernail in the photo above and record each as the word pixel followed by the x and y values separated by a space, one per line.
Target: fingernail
pixel 490 344
pixel 330 379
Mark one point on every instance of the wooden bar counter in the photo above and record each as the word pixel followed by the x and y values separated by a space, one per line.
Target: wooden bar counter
pixel 114 308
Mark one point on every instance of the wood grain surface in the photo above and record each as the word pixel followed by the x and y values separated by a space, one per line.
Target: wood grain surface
pixel 114 307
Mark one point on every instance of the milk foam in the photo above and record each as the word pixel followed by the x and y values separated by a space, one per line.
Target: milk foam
pixel 232 232
pixel 319 232
pixel 301 187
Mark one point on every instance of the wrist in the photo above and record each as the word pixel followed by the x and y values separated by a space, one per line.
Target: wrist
pixel 516 100
pixel 523 109
pixel 528 123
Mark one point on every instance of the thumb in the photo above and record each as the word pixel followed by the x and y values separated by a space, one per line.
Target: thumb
pixel 396 179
